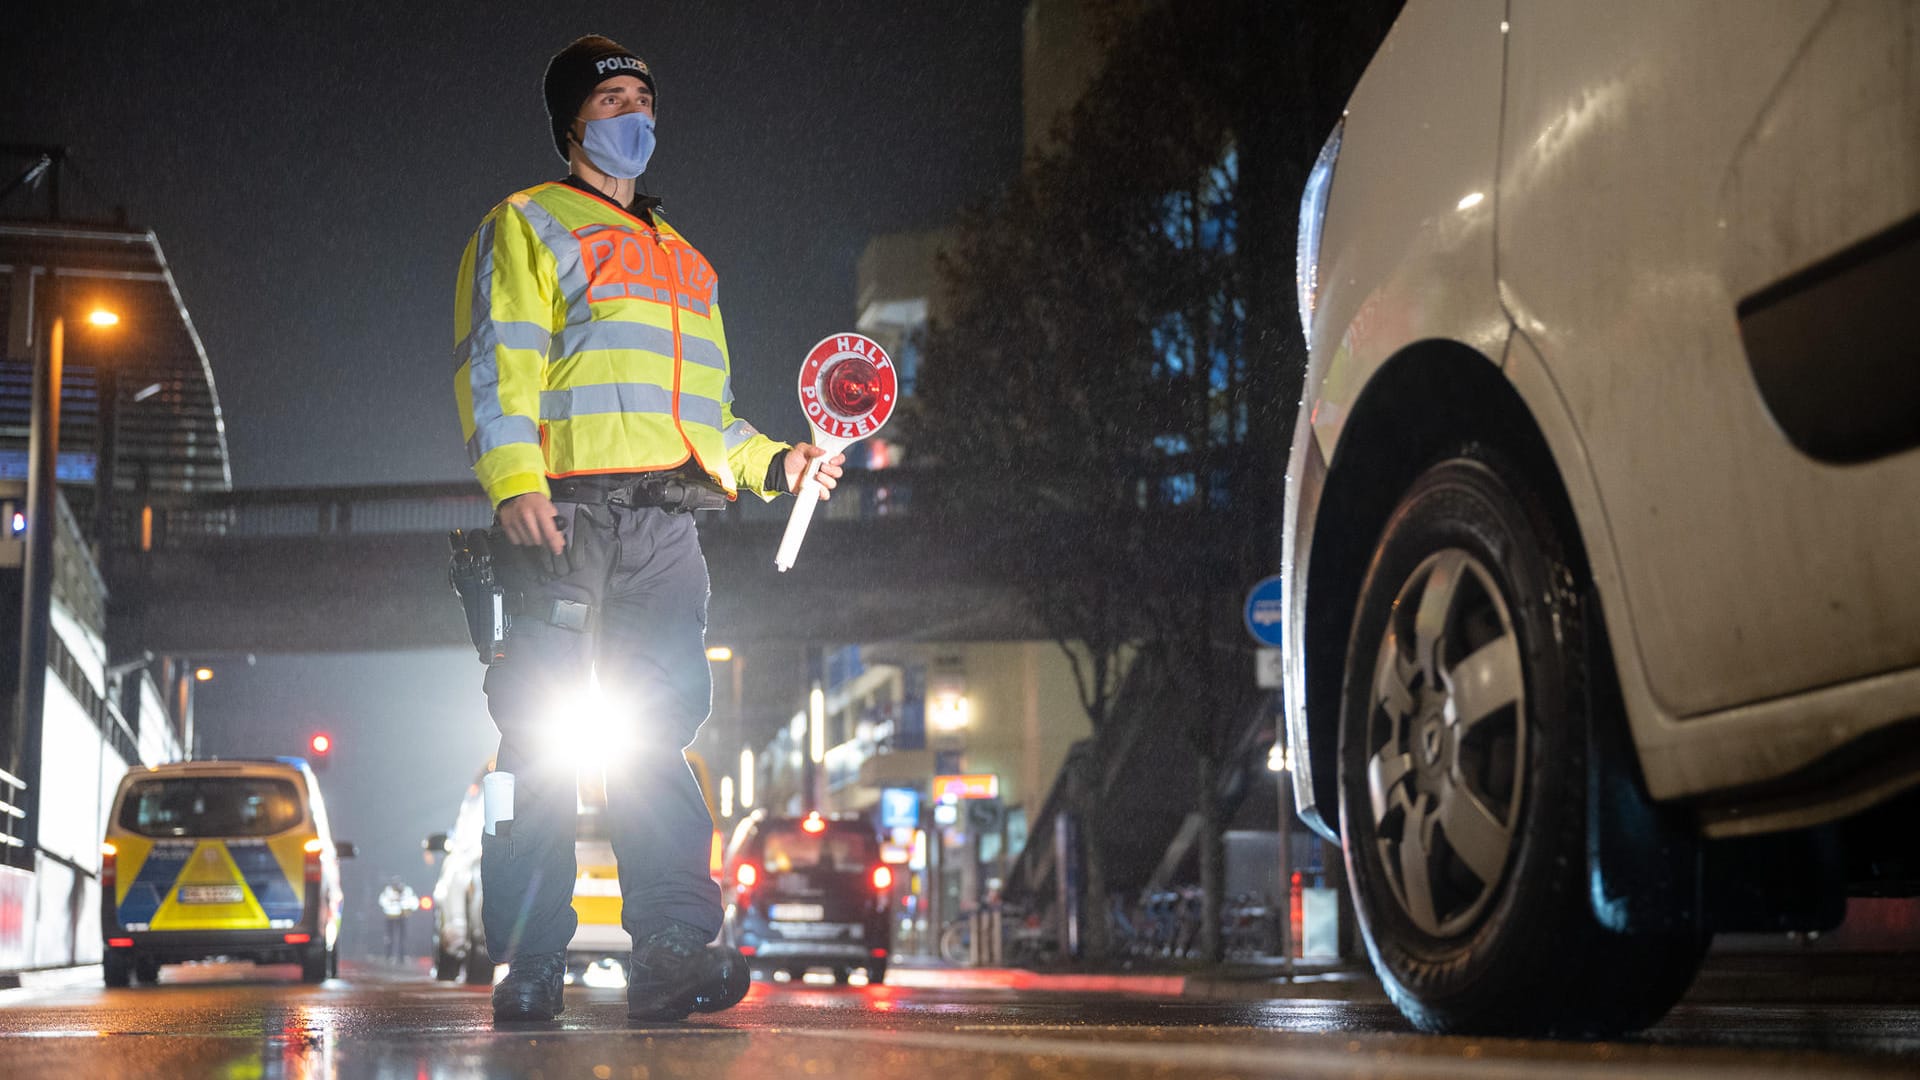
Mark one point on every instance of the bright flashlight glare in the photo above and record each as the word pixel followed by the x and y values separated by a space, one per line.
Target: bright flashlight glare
pixel 589 731
pixel 103 317
pixel 719 654
pixel 1472 200
pixel 204 674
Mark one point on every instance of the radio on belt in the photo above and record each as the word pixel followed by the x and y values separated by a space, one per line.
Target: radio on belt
pixel 848 388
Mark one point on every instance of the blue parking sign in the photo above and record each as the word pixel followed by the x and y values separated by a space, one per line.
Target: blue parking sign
pixel 899 808
pixel 1266 612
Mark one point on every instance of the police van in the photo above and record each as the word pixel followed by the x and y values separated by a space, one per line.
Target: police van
pixel 220 858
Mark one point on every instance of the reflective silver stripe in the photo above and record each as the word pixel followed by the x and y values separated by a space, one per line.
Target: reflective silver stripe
pixel 502 432
pixel 608 292
pixel 483 371
pixel 513 335
pixel 611 334
pixel 605 398
pixel 737 433
pixel 565 249
pixel 700 410
pixel 703 352
pixel 602 398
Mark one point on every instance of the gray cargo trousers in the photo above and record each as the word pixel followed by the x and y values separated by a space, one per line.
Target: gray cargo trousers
pixel 641 573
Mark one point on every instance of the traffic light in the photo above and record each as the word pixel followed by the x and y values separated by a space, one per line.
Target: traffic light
pixel 320 749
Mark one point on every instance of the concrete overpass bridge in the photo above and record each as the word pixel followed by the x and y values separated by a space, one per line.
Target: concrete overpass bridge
pixel 364 568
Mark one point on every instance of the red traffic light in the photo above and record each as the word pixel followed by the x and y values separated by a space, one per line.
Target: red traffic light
pixel 320 744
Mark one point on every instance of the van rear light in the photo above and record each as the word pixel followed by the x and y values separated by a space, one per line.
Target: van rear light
pixel 313 860
pixel 746 876
pixel 882 878
pixel 119 943
pixel 109 869
pixel 296 939
pixel 749 950
pixel 879 954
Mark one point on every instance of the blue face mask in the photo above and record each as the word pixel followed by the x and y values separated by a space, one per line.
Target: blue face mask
pixel 620 145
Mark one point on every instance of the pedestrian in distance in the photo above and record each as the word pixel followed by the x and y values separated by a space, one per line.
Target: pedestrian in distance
pixel 595 391
pixel 397 901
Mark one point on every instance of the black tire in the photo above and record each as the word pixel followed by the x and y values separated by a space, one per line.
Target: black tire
pixel 876 973
pixel 446 966
pixel 1475 720
pixel 315 963
pixel 116 969
pixel 146 970
pixel 333 961
pixel 842 976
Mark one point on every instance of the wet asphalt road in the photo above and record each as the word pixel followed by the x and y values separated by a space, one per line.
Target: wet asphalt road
pixel 237 1021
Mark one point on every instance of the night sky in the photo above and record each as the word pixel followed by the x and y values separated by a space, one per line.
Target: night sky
pixel 313 171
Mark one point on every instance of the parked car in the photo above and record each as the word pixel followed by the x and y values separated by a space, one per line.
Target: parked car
pixel 809 892
pixel 1602 522
pixel 206 859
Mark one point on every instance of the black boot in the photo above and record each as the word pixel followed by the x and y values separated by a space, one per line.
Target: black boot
pixel 532 989
pixel 675 971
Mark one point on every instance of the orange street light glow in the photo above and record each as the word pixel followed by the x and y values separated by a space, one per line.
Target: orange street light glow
pixel 103 317
pixel 204 674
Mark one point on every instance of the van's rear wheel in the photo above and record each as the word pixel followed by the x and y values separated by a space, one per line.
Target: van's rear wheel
pixel 1464 767
pixel 479 965
pixel 316 962
pixel 116 969
pixel 147 970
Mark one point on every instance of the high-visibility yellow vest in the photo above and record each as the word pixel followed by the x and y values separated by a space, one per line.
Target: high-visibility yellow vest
pixel 589 341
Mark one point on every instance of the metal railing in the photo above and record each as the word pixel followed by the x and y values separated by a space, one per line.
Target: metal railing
pixel 415 509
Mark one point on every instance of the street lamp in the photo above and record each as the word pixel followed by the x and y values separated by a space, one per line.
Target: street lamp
pixel 24 729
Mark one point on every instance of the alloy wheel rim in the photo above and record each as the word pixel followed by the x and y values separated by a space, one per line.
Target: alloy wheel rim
pixel 1446 744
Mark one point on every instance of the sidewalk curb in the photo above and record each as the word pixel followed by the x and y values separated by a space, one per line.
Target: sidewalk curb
pixel 51 978
pixel 1339 985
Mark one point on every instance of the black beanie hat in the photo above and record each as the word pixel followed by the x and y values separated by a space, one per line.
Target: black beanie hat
pixel 573 73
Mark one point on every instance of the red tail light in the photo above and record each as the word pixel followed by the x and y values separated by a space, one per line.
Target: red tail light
pixel 745 875
pixel 749 950
pixel 296 939
pixel 882 879
pixel 120 943
pixel 109 871
pixel 313 859
pixel 879 954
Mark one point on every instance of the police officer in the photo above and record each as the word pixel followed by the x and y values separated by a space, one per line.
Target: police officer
pixel 596 397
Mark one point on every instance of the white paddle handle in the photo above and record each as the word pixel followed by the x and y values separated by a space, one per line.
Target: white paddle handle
pixel 810 494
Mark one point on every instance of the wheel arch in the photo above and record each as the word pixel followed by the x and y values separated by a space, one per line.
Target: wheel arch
pixel 1423 404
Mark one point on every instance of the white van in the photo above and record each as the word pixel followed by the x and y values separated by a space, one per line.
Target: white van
pixel 1602 526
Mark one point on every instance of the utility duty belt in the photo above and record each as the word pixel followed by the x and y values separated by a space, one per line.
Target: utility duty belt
pixel 673 492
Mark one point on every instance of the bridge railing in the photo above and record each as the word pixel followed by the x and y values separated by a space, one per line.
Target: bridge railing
pixel 411 509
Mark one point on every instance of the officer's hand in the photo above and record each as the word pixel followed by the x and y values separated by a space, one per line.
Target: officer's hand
pixel 803 454
pixel 531 521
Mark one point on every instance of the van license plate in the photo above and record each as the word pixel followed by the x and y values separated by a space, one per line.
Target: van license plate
pixel 797 912
pixel 211 894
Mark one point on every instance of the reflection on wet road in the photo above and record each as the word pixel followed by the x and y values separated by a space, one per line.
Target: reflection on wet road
pixel 241 1022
